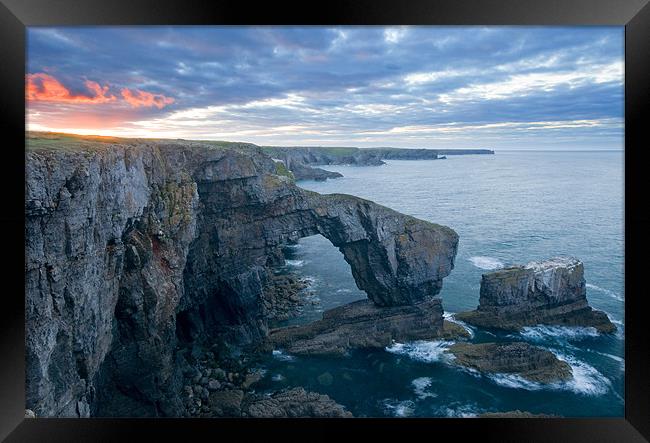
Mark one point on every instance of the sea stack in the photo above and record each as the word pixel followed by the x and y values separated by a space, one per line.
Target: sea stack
pixel 551 292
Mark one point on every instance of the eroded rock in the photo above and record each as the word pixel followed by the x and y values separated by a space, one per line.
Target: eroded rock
pixel 134 247
pixel 527 361
pixel 551 292
pixel 294 402
pixel 362 324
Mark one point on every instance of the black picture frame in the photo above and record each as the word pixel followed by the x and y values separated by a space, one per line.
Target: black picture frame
pixel 16 15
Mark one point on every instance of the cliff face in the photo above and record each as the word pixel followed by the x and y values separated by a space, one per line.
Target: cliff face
pixel 133 249
pixel 549 292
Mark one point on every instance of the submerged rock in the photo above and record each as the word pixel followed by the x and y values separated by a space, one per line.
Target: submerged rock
pixel 551 292
pixel 294 402
pixel 528 361
pixel 362 324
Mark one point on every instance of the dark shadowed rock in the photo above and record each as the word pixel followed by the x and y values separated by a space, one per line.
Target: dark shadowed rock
pixel 551 292
pixel 530 362
pixel 294 402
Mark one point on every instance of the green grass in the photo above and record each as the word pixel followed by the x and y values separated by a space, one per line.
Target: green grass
pixel 59 141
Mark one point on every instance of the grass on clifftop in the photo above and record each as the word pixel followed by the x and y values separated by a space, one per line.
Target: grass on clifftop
pixel 59 141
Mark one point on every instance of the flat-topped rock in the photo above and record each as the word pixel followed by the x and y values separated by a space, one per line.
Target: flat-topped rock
pixel 549 292
pixel 519 358
pixel 362 324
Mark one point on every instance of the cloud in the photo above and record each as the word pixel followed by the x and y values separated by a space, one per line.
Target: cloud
pixel 410 86
pixel 138 98
pixel 44 87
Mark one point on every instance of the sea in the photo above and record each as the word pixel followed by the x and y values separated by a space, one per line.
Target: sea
pixel 509 208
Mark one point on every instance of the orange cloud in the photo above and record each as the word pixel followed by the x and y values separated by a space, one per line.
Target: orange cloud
pixel 44 87
pixel 139 98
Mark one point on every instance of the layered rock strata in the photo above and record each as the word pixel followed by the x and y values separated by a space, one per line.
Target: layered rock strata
pixel 551 292
pixel 135 247
pixel 362 324
pixel 522 359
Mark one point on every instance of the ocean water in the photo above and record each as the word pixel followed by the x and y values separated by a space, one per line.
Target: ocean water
pixel 508 208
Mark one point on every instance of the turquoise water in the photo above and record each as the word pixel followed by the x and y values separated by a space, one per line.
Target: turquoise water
pixel 512 207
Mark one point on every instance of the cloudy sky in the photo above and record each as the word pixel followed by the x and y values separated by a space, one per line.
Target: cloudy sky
pixel 428 86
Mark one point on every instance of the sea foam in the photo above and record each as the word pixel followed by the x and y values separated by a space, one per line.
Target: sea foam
pixel 612 294
pixel 295 263
pixel 424 351
pixel 420 386
pixel 280 355
pixel 488 263
pixel 398 408
pixel 449 316
pixel 546 332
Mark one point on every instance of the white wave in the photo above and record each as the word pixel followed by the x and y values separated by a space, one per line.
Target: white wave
pixel 612 294
pixel 295 263
pixel 545 332
pixel 462 411
pixel 621 360
pixel 489 263
pixel 293 246
pixel 398 408
pixel 280 355
pixel 420 386
pixel 449 316
pixel 311 281
pixel 277 377
pixel 425 351
pixel 586 380
pixel 514 381
pixel 343 290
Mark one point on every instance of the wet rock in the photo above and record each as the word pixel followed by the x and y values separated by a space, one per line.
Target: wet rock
pixel 226 403
pixel 29 413
pixel 362 324
pixel 294 402
pixel 325 379
pixel 214 385
pixel 133 248
pixel 551 292
pixel 530 362
pixel 219 374
pixel 251 379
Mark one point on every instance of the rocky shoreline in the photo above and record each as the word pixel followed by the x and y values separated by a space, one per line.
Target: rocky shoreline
pixel 135 249
pixel 151 283
pixel 303 161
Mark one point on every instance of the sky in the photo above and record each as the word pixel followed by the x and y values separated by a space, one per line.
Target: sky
pixel 425 87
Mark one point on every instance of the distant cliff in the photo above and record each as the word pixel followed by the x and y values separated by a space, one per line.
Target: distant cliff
pixel 135 248
pixel 359 156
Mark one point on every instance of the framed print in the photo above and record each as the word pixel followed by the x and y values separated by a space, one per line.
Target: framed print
pixel 368 216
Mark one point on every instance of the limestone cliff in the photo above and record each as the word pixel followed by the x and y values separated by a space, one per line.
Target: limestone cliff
pixel 135 247
pixel 548 292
